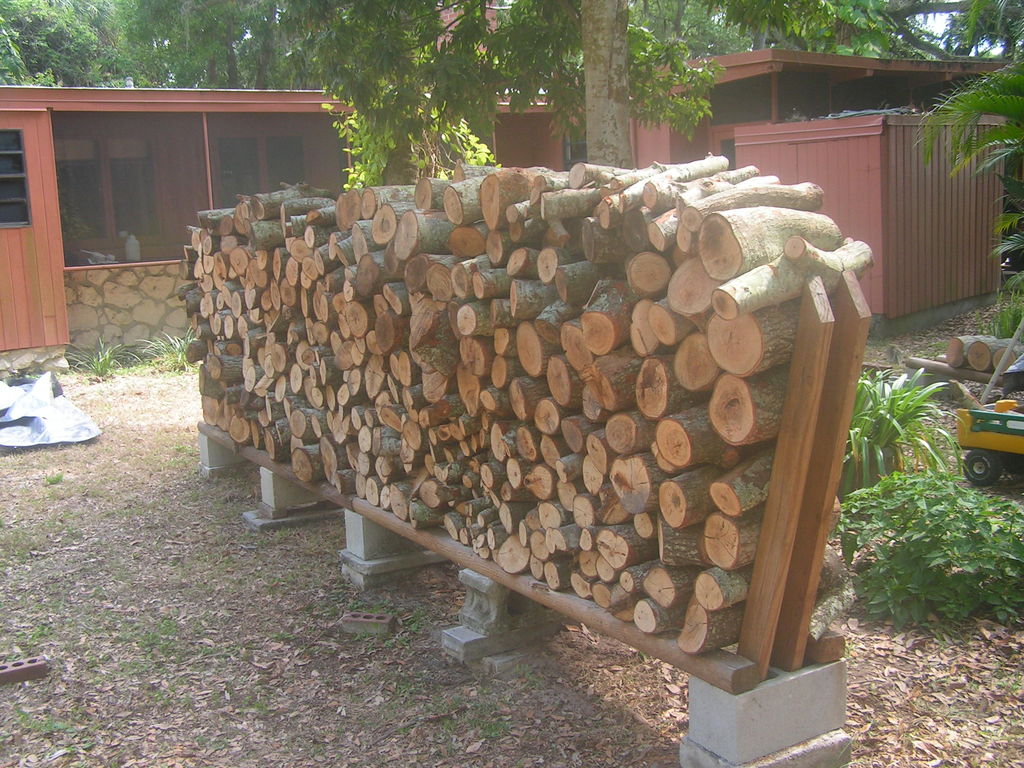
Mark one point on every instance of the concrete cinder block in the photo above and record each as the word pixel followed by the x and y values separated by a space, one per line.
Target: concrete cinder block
pixel 492 608
pixel 258 520
pixel 369 541
pixel 783 711
pixel 830 750
pixel 278 494
pixel 382 571
pixel 467 646
pixel 362 623
pixel 216 459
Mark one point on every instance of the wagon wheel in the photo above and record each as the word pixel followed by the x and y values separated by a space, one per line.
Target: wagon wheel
pixel 983 467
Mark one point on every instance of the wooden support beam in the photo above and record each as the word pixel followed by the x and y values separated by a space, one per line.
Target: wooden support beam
pixel 846 353
pixel 793 458
pixel 728 671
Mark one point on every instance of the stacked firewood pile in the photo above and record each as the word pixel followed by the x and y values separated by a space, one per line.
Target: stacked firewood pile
pixel 980 353
pixel 579 375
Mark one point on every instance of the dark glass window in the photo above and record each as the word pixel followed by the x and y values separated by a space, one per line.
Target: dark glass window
pixel 132 186
pixel 13 182
pixel 239 169
pixel 80 190
pixel 284 160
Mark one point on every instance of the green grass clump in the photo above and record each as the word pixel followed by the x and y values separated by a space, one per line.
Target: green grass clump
pixel 167 352
pixel 896 426
pixel 103 360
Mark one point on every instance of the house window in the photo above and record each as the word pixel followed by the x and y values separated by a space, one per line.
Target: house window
pixel 132 186
pixel 239 169
pixel 574 150
pixel 250 164
pixel 78 184
pixel 13 182
pixel 284 160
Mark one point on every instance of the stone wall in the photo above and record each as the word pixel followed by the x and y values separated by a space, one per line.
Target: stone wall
pixel 32 360
pixel 122 304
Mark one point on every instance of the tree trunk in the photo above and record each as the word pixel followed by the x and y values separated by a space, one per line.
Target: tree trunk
pixel 606 69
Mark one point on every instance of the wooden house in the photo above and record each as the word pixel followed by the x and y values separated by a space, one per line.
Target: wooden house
pixel 97 185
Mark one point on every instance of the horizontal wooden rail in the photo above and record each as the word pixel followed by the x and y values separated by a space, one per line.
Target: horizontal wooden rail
pixel 728 671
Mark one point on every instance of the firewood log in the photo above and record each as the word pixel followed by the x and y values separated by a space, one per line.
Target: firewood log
pixel 731 542
pixel 621 546
pixel 803 197
pixel 717 588
pixel 753 342
pixel 733 242
pixel 636 479
pixel 669 586
pixel 685 499
pixel 746 411
pixel 651 618
pixel 705 630
pixel 783 278
pixel 744 486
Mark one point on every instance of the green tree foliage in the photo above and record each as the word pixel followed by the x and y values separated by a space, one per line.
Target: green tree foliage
pixel 209 43
pixel 62 43
pixel 12 68
pixel 424 71
pixel 703 28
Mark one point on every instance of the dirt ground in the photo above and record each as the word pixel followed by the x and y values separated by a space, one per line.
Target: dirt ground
pixel 179 638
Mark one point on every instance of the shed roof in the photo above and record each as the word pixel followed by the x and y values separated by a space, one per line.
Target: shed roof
pixel 20 97
pixel 739 66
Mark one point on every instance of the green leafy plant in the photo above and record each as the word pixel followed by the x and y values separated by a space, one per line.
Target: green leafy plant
pixel 434 151
pixel 167 352
pixel 54 479
pixel 896 426
pixel 928 545
pixel 103 360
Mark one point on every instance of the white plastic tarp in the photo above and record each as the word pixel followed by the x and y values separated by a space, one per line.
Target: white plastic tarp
pixel 37 413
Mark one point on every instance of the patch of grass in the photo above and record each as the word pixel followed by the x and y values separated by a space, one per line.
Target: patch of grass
pixel 16 542
pixel 55 478
pixel 47 725
pixel 167 352
pixel 162 639
pixel 103 360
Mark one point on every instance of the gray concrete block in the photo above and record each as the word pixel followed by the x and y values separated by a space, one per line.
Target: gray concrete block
pixel 278 494
pixel 369 541
pixel 492 608
pixel 372 574
pixel 784 710
pixel 830 750
pixel 216 459
pixel 258 521
pixel 466 646
pixel 509 664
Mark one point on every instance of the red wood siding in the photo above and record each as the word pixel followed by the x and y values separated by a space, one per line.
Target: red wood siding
pixel 526 140
pixel 939 225
pixel 32 311
pixel 843 157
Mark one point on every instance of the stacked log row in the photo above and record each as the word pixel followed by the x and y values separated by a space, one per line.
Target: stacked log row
pixel 580 375
pixel 980 353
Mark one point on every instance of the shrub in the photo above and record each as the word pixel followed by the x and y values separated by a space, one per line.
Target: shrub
pixel 167 352
pixel 896 425
pixel 927 544
pixel 102 360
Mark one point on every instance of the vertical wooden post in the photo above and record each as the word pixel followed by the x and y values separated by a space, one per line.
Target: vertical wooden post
pixel 853 320
pixel 793 457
